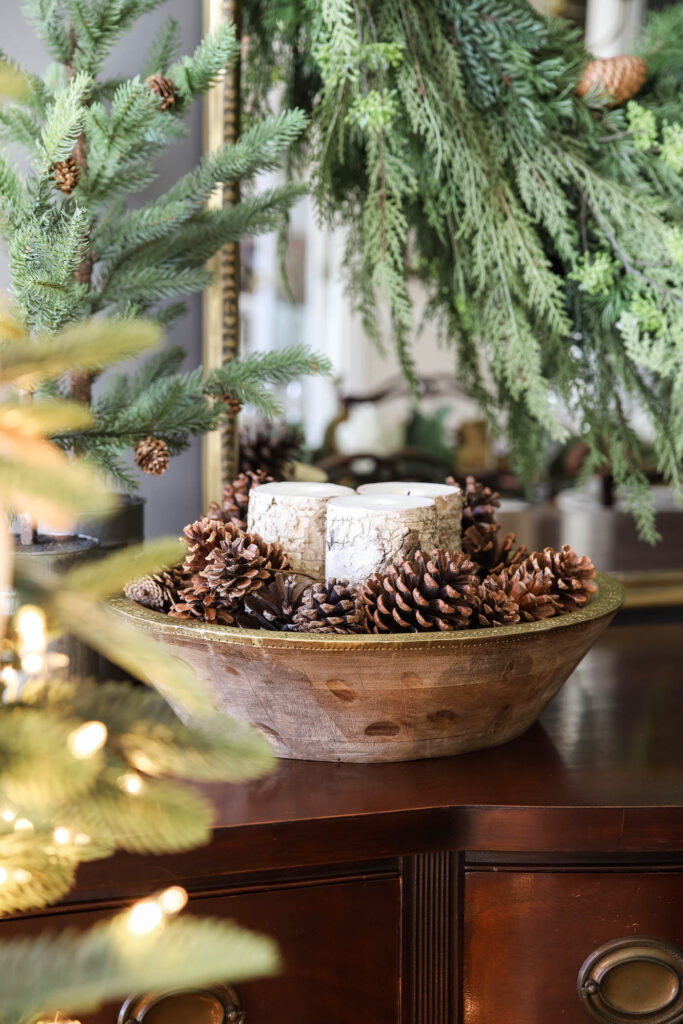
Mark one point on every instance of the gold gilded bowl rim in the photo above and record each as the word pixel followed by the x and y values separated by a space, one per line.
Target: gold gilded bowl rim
pixel 608 599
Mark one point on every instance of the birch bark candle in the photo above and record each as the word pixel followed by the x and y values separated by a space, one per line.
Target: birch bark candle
pixel 366 532
pixel 293 513
pixel 448 501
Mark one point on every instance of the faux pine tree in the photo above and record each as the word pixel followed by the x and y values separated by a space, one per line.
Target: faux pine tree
pixel 449 138
pixel 89 143
pixel 86 768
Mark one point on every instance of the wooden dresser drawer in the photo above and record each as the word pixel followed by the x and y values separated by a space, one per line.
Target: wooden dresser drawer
pixel 527 934
pixel 340 944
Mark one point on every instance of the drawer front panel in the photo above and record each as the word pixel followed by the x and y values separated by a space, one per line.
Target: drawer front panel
pixel 528 933
pixel 340 945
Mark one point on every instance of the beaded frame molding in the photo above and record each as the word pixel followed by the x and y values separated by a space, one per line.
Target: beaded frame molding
pixel 220 311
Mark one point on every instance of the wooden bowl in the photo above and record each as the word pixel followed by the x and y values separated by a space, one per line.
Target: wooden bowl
pixel 398 697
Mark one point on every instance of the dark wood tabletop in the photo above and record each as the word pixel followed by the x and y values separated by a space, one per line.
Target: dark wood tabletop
pixel 601 771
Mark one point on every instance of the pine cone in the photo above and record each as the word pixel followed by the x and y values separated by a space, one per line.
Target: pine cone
pixel 495 608
pixel 164 88
pixel 482 545
pixel 235 498
pixel 270 449
pixel 275 606
pixel 195 603
pixel 238 565
pixel 620 77
pixel 531 590
pixel 67 175
pixel 202 537
pixel 479 502
pixel 330 607
pixel 159 591
pixel 573 575
pixel 435 592
pixel 151 455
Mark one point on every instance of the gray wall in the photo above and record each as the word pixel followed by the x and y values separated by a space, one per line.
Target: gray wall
pixel 175 498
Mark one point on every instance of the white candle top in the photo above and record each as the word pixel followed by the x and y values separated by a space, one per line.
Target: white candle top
pixel 303 489
pixel 362 503
pixel 424 490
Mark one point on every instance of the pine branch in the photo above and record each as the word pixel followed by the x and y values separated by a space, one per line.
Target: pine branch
pixel 194 75
pixel 163 50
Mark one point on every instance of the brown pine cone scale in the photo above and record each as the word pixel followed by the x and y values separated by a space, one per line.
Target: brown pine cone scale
pixel 330 607
pixel 430 592
pixel 152 455
pixel 235 498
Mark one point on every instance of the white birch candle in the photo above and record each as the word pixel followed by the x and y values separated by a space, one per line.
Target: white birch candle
pixel 448 501
pixel 293 513
pixel 366 532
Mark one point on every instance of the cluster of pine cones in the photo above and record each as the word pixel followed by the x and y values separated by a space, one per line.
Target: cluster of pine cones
pixel 235 578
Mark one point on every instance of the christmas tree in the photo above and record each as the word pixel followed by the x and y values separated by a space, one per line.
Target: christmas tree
pixel 76 249
pixel 88 768
pixel 450 140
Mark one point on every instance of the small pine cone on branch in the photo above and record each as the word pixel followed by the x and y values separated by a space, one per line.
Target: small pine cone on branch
pixel 330 607
pixel 159 591
pixel 431 592
pixel 275 606
pixel 152 456
pixel 495 608
pixel 531 590
pixel 165 89
pixel 235 498
pixel 573 574
pixel 620 77
pixel 67 175
pixel 238 565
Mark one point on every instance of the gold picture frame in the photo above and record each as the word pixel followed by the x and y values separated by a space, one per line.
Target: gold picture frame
pixel 220 308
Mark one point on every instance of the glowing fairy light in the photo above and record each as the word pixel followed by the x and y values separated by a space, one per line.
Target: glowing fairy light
pixel 33 663
pixel 8 815
pixel 148 915
pixel 3 876
pixel 131 783
pixel 145 917
pixel 88 739
pixel 23 825
pixel 173 900
pixel 61 836
pixel 21 876
pixel 82 839
pixel 30 626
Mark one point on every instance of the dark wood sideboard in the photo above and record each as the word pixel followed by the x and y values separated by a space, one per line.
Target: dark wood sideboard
pixel 468 890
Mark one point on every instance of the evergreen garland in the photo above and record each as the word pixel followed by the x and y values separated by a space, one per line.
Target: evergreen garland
pixel 449 139
pixel 77 250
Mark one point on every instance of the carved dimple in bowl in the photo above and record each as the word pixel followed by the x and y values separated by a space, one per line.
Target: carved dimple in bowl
pixel 385 698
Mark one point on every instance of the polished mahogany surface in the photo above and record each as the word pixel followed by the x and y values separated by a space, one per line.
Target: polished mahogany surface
pixel 601 771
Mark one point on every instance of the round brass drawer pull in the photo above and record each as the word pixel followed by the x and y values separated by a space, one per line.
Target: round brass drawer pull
pixel 634 981
pixel 219 1005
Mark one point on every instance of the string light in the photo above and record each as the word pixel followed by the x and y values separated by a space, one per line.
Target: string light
pixel 145 917
pixel 23 825
pixel 82 839
pixel 61 836
pixel 8 815
pixel 173 900
pixel 131 783
pixel 3 876
pixel 88 739
pixel 148 915
pixel 21 876
pixel 30 627
pixel 33 663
